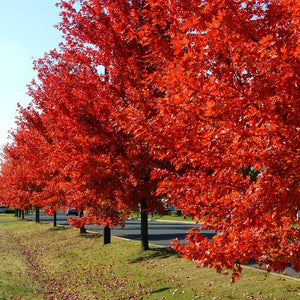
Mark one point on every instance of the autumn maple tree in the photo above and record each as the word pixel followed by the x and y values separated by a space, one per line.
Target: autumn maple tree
pixel 24 178
pixel 229 123
pixel 91 113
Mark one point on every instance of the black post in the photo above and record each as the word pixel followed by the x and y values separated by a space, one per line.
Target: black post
pixel 37 215
pixel 106 235
pixel 82 229
pixel 54 219
pixel 144 225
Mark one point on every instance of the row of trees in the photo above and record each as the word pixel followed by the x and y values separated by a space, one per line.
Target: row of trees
pixel 193 102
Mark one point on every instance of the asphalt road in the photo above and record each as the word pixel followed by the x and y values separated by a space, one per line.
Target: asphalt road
pixel 160 232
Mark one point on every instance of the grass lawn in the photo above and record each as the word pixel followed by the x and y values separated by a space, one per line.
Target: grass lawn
pixel 171 217
pixel 41 262
pixel 7 217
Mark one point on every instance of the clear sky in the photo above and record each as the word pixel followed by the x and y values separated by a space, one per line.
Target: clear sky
pixel 26 33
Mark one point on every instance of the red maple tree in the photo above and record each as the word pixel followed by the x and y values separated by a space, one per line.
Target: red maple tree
pixel 97 116
pixel 23 173
pixel 229 124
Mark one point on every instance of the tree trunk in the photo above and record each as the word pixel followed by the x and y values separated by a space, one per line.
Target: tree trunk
pixel 23 214
pixel 144 225
pixel 16 212
pixel 82 229
pixel 20 213
pixel 106 235
pixel 37 214
pixel 54 220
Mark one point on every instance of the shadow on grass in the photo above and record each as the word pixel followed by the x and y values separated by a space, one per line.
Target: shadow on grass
pixel 91 235
pixel 160 290
pixel 150 293
pixel 58 228
pixel 158 253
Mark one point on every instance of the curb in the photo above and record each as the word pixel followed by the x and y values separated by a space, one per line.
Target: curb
pixel 271 273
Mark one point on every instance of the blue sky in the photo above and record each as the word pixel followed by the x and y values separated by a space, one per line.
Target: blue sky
pixel 26 33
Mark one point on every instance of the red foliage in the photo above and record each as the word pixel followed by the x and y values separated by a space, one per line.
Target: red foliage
pixel 24 175
pixel 199 104
pixel 103 166
pixel 229 123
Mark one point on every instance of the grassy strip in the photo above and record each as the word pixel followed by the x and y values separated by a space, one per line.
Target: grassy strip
pixel 40 262
pixel 172 217
pixel 7 217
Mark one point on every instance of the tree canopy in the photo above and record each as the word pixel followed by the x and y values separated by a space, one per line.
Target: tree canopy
pixel 198 104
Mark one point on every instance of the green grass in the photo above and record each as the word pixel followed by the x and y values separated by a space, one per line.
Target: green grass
pixel 42 262
pixel 7 218
pixel 172 216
